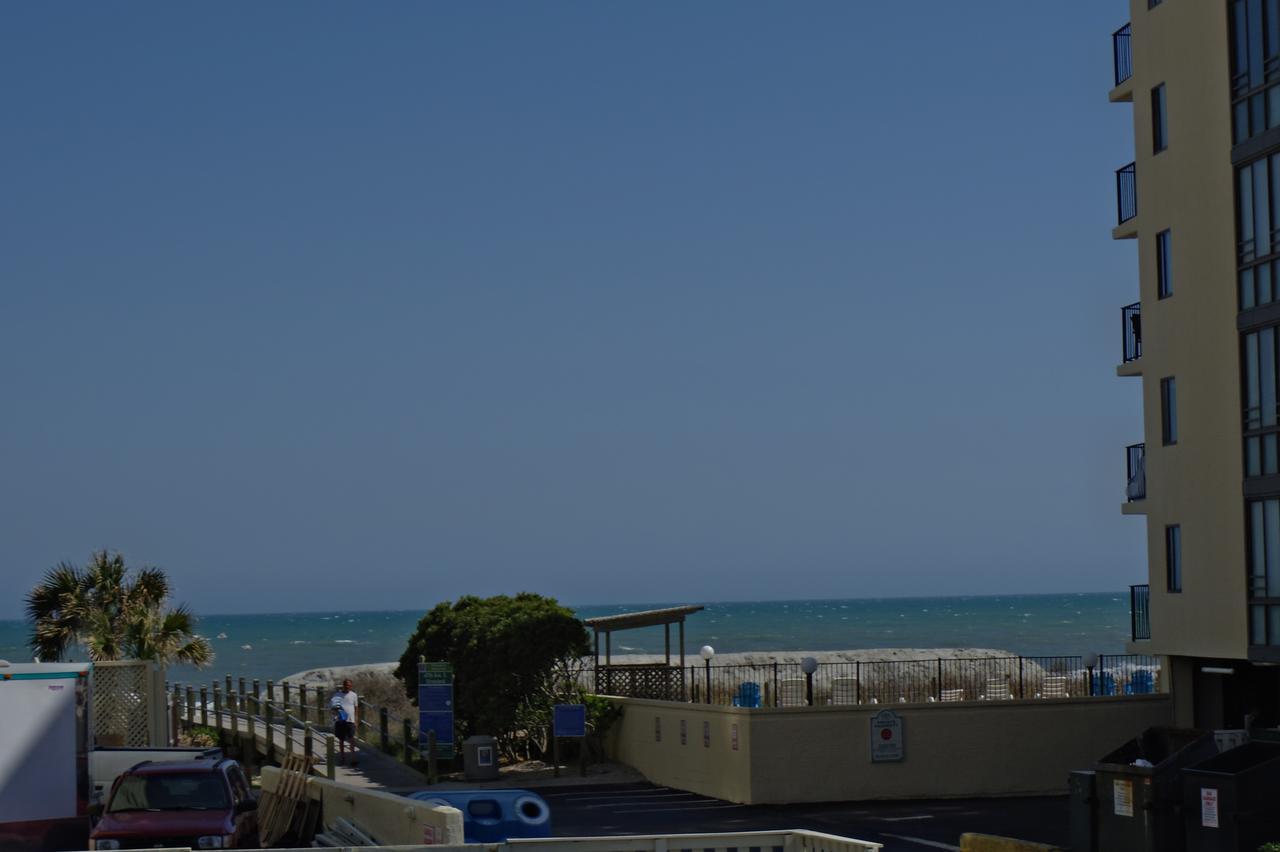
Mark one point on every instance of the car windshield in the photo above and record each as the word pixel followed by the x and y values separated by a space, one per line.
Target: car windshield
pixel 195 791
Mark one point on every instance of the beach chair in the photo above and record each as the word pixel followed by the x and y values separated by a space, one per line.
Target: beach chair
pixel 997 689
pixel 952 695
pixel 1104 683
pixel 748 694
pixel 1140 682
pixel 791 692
pixel 844 690
pixel 1055 686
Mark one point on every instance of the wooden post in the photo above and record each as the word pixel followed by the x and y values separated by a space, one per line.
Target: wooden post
pixel 269 752
pixel 234 705
pixel 284 689
pixel 307 745
pixel 939 678
pixel 271 692
pixel 175 704
pixel 383 731
pixel 320 717
pixel 191 707
pixel 217 709
pixel 408 741
pixel 432 775
pixel 257 697
pixel 288 733
pixel 243 692
pixel 204 706
pixel 330 769
pixel 304 709
pixel 227 691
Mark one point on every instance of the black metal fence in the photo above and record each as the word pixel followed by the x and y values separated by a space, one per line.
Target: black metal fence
pixel 1135 467
pixel 1126 193
pixel 1131 331
pixel 1140 611
pixel 919 681
pixel 1122 54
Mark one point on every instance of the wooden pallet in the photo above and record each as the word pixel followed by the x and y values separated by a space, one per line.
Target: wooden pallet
pixel 278 809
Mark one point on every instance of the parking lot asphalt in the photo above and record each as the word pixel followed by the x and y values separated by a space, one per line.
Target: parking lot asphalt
pixel 902 826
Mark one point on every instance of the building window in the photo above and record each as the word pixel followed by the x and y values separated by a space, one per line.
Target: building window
pixel 1255 45
pixel 1159 123
pixel 1173 557
pixel 1168 411
pixel 1259 372
pixel 1257 234
pixel 1151 4
pixel 1164 258
pixel 1264 572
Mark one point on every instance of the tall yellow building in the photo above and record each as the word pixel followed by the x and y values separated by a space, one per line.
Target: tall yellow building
pixel 1201 201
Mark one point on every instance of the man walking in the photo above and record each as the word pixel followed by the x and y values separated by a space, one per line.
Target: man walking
pixel 345 706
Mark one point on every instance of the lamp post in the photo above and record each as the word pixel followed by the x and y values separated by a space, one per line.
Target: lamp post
pixel 707 653
pixel 809 665
pixel 1090 660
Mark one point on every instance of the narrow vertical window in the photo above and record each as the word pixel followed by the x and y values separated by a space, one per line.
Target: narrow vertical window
pixel 1159 122
pixel 1164 255
pixel 1173 557
pixel 1168 411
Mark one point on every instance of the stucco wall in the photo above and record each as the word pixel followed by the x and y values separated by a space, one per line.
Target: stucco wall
pixel 822 753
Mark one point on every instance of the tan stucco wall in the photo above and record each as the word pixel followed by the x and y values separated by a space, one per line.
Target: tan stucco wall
pixel 1192 334
pixel 821 753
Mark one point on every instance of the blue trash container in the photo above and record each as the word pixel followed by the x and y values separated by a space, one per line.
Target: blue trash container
pixel 494 816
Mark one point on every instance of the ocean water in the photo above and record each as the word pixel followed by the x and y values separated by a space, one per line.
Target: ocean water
pixel 278 644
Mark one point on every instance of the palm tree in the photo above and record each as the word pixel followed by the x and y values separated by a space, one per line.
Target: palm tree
pixel 113 616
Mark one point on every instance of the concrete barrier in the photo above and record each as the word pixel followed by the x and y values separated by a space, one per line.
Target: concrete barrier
pixel 393 820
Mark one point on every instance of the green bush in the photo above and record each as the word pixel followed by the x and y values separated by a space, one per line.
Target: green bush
pixel 1274 846
pixel 512 658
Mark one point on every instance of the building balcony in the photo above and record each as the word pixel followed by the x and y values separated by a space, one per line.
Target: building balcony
pixel 1130 340
pixel 1126 203
pixel 1135 473
pixel 1122 56
pixel 1140 612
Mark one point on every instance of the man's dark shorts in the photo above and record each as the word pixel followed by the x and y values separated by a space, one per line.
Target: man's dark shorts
pixel 344 731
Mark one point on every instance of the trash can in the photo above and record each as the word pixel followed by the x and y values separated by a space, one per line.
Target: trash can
pixel 494 816
pixel 480 758
pixel 1082 790
pixel 1140 806
pixel 1229 801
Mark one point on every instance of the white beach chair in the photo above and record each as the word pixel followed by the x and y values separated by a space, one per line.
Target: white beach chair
pixel 953 695
pixel 1055 686
pixel 791 692
pixel 844 690
pixel 997 689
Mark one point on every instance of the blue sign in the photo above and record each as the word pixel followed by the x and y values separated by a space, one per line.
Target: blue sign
pixel 435 697
pixel 570 720
pixel 441 723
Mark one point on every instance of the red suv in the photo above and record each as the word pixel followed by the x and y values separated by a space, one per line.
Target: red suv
pixel 198 804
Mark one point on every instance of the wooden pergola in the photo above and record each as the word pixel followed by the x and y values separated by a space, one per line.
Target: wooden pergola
pixel 664 618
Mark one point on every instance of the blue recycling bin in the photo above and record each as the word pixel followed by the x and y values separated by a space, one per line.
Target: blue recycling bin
pixel 494 816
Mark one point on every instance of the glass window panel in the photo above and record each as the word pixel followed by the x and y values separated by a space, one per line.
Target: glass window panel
pixel 1261 210
pixel 1273 29
pixel 1240 121
pixel 1240 38
pixel 1246 289
pixel 1169 410
pixel 1164 255
pixel 1258 625
pixel 1257 544
pixel 1267 376
pixel 1264 284
pixel 1245 204
pixel 1159 127
pixel 1273 625
pixel 1255 42
pixel 1269 454
pixel 1252 391
pixel 1272 508
pixel 1273 106
pixel 1252 456
pixel 1257 113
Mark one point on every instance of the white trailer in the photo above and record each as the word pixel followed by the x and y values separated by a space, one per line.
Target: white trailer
pixel 44 755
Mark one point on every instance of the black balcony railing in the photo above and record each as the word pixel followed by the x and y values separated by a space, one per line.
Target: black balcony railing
pixel 1126 194
pixel 1136 472
pixel 1123 55
pixel 1131 331
pixel 1140 612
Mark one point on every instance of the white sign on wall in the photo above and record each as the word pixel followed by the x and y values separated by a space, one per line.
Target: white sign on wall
pixel 887 744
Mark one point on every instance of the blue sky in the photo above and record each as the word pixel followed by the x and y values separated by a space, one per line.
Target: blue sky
pixel 331 305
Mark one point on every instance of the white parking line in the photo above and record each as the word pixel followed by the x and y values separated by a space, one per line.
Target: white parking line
pixel 932 844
